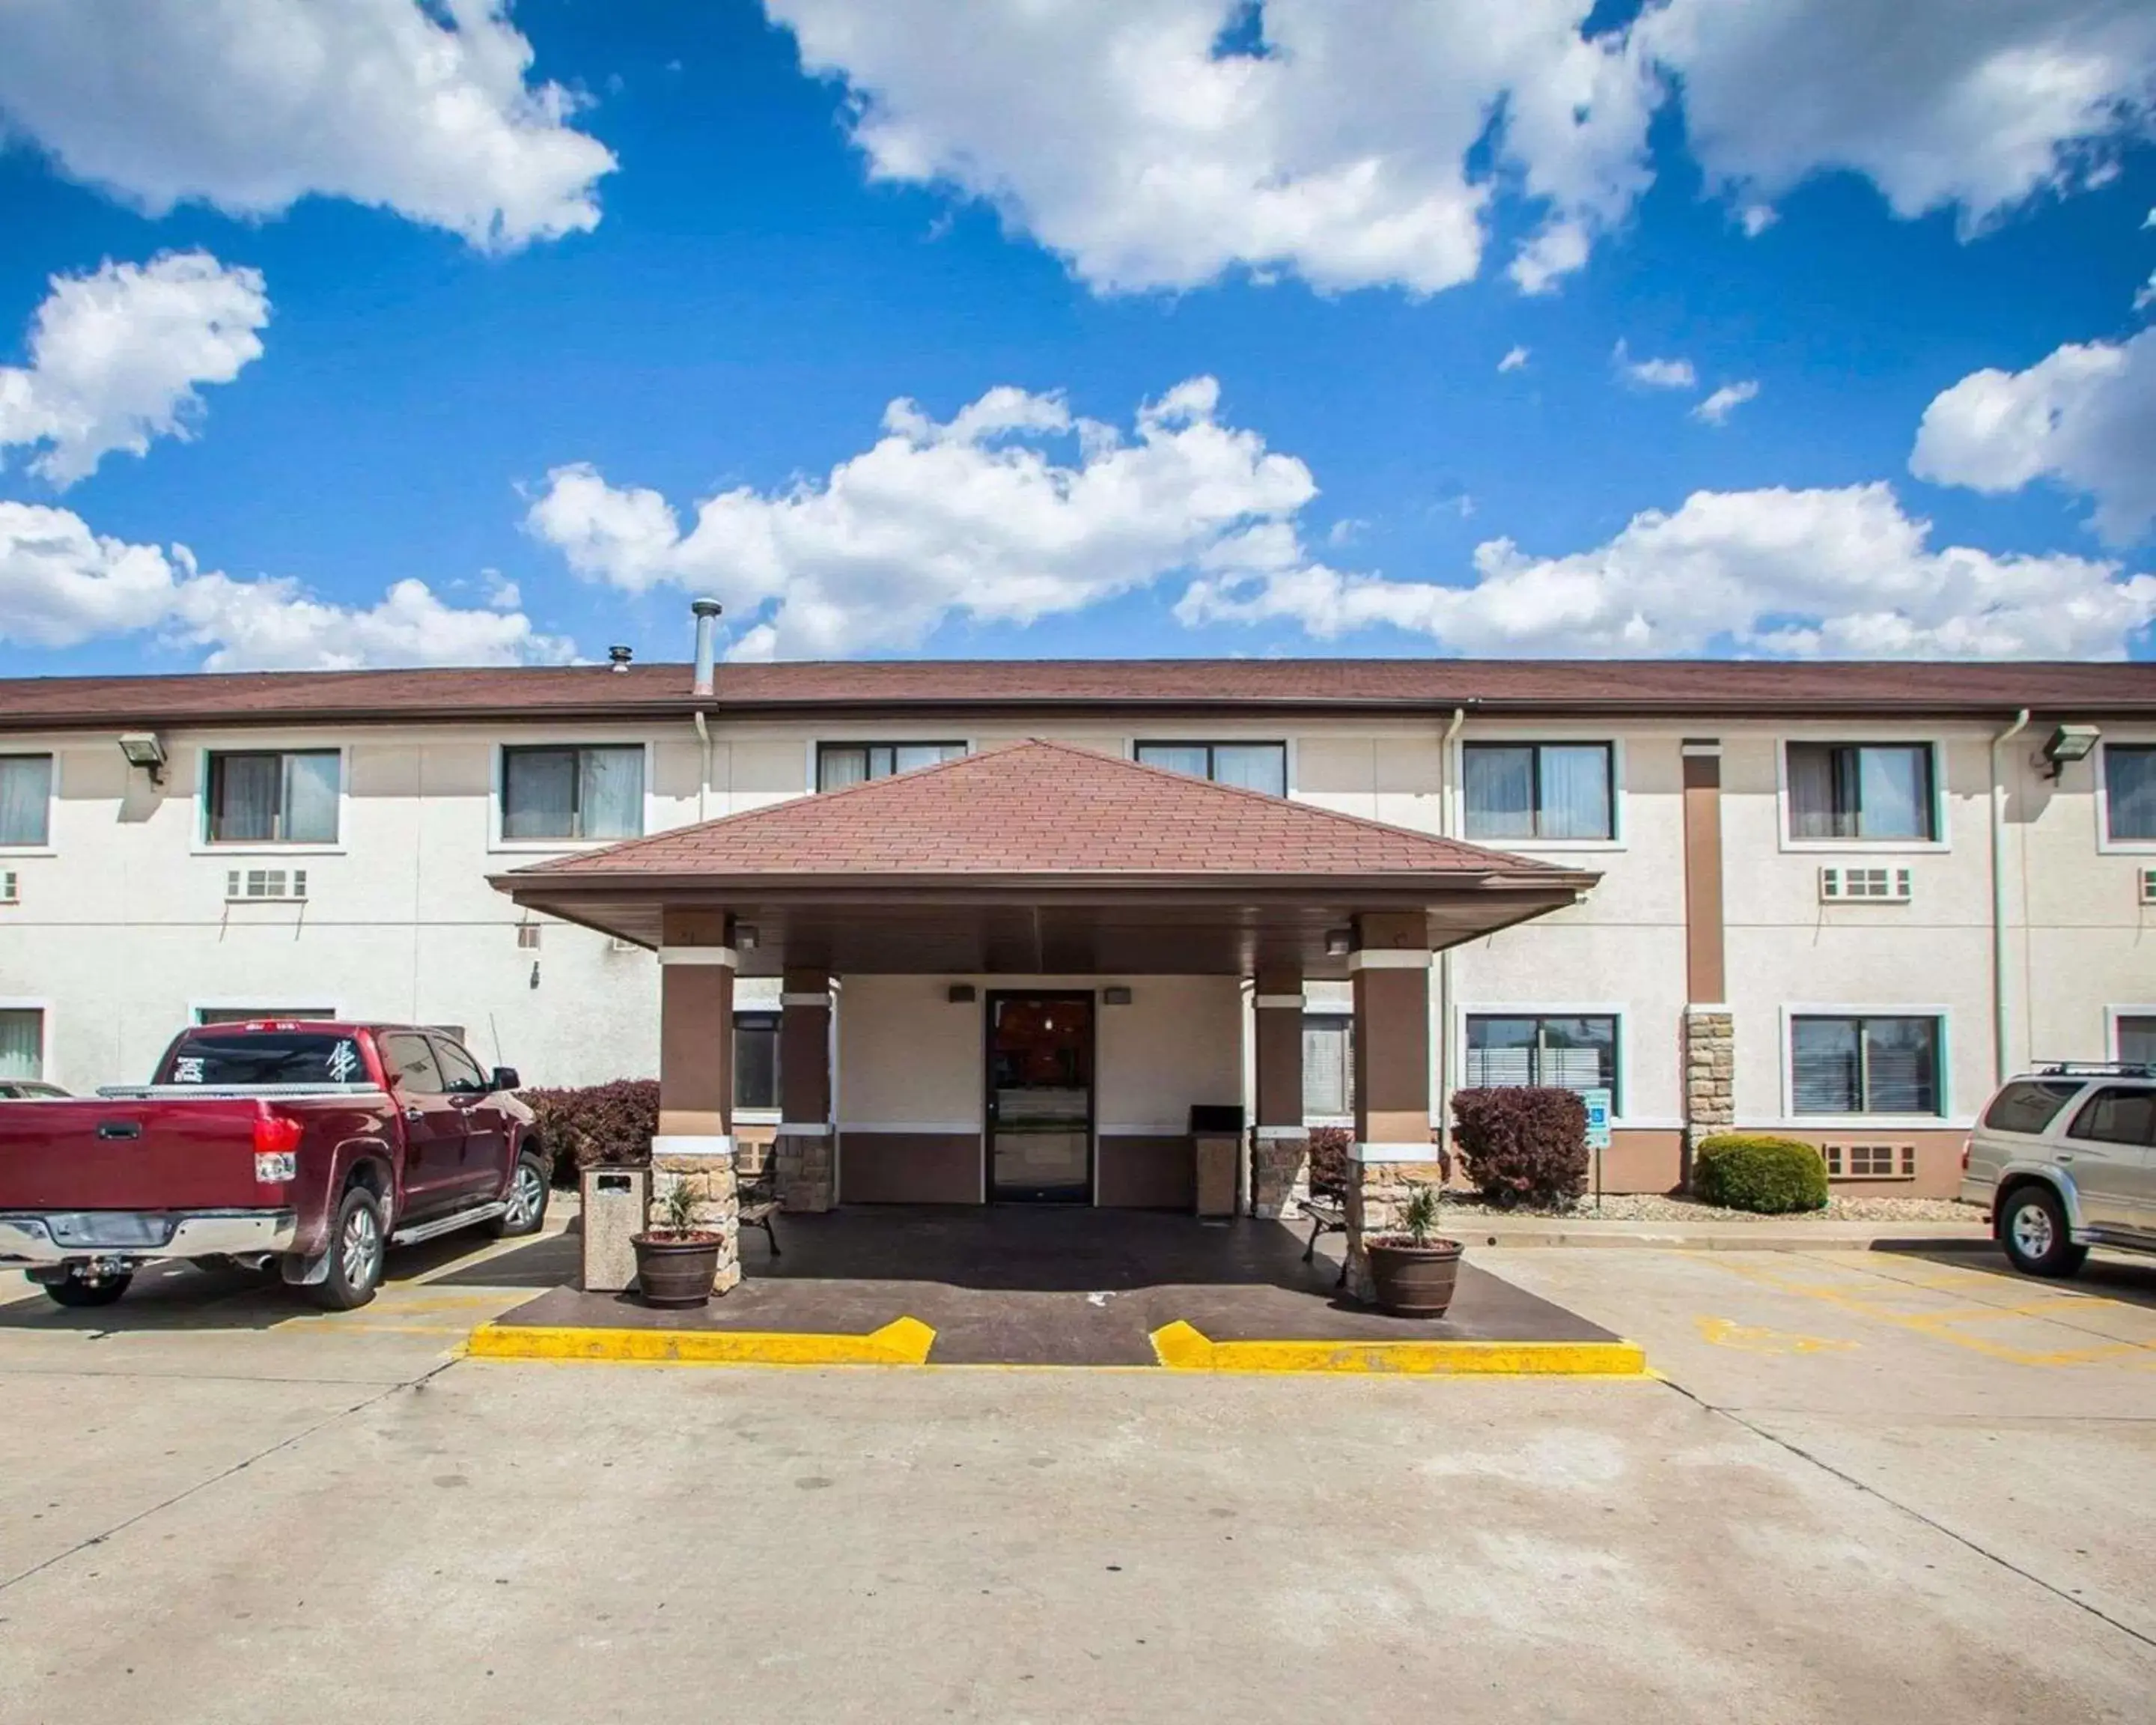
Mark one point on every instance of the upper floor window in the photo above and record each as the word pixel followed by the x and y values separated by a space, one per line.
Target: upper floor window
pixel 1873 792
pixel 2130 790
pixel 1864 1064
pixel 573 793
pixel 839 764
pixel 275 797
pixel 1540 790
pixel 1251 766
pixel 1565 1053
pixel 26 799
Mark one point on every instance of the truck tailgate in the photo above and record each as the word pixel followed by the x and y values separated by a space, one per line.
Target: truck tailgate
pixel 192 1154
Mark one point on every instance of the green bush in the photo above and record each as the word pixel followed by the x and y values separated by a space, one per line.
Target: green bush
pixel 1756 1171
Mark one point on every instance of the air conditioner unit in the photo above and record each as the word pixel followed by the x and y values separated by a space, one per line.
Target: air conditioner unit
pixel 1870 1161
pixel 1865 886
pixel 242 885
pixel 2148 878
pixel 10 888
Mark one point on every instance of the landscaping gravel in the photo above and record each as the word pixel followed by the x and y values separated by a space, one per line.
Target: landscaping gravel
pixel 1631 1206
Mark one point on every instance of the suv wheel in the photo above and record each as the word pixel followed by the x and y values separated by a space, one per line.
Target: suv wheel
pixel 356 1241
pixel 2032 1228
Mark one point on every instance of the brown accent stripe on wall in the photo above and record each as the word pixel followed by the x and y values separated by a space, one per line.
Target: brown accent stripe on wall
pixel 909 1167
pixel 1705 983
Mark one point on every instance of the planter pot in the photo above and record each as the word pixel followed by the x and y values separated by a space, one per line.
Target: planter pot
pixel 676 1270
pixel 1413 1280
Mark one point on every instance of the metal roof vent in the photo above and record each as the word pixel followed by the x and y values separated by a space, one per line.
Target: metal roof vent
pixel 619 657
pixel 706 613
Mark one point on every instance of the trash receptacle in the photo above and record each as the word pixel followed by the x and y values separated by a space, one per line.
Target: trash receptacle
pixel 616 1203
pixel 1216 1138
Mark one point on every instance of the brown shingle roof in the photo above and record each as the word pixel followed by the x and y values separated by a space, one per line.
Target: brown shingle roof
pixel 1036 808
pixel 540 693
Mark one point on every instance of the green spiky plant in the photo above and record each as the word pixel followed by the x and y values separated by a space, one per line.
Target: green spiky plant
pixel 1420 1215
pixel 679 1209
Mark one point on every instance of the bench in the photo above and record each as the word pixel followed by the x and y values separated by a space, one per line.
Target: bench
pixel 1326 1206
pixel 758 1198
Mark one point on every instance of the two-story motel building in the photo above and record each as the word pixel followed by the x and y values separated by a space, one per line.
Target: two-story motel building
pixel 1834 899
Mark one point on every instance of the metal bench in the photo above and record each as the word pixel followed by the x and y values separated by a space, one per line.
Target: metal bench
pixel 1326 1206
pixel 758 1198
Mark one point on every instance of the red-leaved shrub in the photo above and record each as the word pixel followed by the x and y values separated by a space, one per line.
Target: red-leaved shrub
pixel 1328 1157
pixel 596 1125
pixel 1522 1144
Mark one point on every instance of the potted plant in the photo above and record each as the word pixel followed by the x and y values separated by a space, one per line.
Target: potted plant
pixel 676 1261
pixel 1413 1270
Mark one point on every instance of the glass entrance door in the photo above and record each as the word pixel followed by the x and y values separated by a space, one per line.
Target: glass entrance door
pixel 1040 1098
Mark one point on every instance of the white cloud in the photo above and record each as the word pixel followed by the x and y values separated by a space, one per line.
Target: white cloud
pixel 1976 105
pixel 1653 373
pixel 1756 219
pixel 61 584
pixel 1717 407
pixel 1814 573
pixel 1112 133
pixel 1011 511
pixel 424 108
pixel 1514 358
pixel 116 356
pixel 2083 416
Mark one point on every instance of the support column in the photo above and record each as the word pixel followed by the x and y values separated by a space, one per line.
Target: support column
pixel 805 1132
pixel 695 1142
pixel 1393 1150
pixel 1710 1038
pixel 1279 1155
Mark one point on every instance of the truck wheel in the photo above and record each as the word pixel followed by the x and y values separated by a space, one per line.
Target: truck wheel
pixel 527 1199
pixel 75 1291
pixel 2032 1228
pixel 354 1255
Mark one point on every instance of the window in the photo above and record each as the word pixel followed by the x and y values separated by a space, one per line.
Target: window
pixel 1864 1065
pixel 573 794
pixel 1563 1053
pixel 1540 790
pixel 755 1059
pixel 2029 1104
pixel 411 1063
pixel 2136 1036
pixel 213 1057
pixel 265 798
pixel 22 1042
pixel 2118 1115
pixel 2129 791
pixel 839 764
pixel 257 1014
pixel 460 1073
pixel 1874 793
pixel 26 799
pixel 1328 1066
pixel 1251 766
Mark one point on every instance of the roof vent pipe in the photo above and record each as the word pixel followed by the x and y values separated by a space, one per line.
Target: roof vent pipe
pixel 707 620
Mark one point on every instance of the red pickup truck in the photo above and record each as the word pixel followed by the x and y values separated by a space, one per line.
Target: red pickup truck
pixel 312 1145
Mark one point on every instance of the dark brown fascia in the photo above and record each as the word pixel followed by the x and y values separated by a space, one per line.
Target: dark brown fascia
pixel 1074 889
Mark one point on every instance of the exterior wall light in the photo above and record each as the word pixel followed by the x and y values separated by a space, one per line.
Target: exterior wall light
pixel 143 749
pixel 1115 997
pixel 960 994
pixel 2069 742
pixel 746 936
pixel 1339 943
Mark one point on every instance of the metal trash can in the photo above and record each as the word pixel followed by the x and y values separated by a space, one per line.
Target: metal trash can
pixel 617 1201
pixel 1216 1138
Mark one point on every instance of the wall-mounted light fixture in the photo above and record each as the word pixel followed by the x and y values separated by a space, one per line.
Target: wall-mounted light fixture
pixel 746 935
pixel 1115 997
pixel 960 995
pixel 1339 942
pixel 143 749
pixel 2069 742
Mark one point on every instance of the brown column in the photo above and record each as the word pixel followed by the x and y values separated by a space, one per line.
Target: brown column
pixel 1279 1148
pixel 805 1132
pixel 695 1142
pixel 1710 1041
pixel 1393 1150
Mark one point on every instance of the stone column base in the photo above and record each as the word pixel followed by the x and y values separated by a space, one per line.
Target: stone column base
pixel 1280 1172
pixel 1710 1093
pixel 805 1170
pixel 710 1176
pixel 1377 1199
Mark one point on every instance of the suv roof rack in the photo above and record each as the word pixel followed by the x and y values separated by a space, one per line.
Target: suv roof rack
pixel 2096 1069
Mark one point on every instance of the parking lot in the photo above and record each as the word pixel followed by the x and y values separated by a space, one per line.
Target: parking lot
pixel 1866 1485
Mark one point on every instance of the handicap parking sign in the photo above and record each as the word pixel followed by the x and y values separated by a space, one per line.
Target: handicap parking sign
pixel 1597 1118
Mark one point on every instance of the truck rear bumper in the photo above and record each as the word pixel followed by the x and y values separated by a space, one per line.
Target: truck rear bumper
pixel 142 1236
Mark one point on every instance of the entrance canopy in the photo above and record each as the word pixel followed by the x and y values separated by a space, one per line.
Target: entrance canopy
pixel 1042 858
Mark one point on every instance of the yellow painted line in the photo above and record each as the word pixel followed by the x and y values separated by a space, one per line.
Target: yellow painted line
pixel 1182 1348
pixel 903 1342
pixel 1757 1339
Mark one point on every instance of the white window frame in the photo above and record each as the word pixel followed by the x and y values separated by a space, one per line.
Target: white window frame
pixel 1858 737
pixel 1456 769
pixel 1621 1055
pixel 43 1009
pixel 50 847
pixel 2111 1015
pixel 2105 843
pixel 269 1007
pixel 1791 1120
pixel 203 846
pixel 566 740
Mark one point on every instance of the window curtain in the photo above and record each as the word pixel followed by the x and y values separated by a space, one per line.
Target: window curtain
pixel 1501 793
pixel 610 792
pixel 1177 757
pixel 1894 793
pixel 907 756
pixel 539 793
pixel 1327 1066
pixel 1499 1052
pixel 1899 1066
pixel 1254 766
pixel 22 1043
pixel 1575 801
pixel 311 797
pixel 2129 785
pixel 1814 812
pixel 2137 1040
pixel 1825 1067
pixel 836 769
pixel 245 806
pixel 26 795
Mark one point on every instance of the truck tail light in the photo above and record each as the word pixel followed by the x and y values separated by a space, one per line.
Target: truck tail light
pixel 276 1148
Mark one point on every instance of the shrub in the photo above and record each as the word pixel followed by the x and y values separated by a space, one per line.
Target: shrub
pixel 1522 1143
pixel 1328 1155
pixel 1756 1171
pixel 597 1125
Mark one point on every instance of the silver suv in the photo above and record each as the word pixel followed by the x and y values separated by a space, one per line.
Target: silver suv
pixel 2066 1158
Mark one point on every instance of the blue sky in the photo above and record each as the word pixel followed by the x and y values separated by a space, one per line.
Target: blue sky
pixel 492 363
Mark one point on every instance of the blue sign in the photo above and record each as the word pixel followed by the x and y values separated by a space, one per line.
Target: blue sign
pixel 1597 1118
